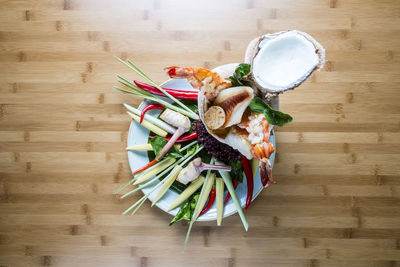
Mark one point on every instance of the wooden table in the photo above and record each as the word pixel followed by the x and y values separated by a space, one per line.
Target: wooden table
pixel 63 134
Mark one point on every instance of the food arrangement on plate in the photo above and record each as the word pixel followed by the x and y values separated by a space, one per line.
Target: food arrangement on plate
pixel 205 138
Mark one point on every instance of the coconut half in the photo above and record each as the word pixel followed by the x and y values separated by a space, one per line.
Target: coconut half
pixel 283 60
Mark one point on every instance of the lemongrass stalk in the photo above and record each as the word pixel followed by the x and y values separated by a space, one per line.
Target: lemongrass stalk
pixel 219 195
pixel 158 87
pixel 155 129
pixel 197 209
pixel 135 87
pixel 228 182
pixel 152 119
pixel 160 101
pixel 154 170
pixel 136 69
pixel 187 192
pixel 187 146
pixel 125 185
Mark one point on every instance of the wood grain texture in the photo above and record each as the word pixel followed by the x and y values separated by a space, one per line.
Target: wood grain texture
pixel 63 133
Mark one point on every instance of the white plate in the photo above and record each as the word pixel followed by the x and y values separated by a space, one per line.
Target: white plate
pixel 139 135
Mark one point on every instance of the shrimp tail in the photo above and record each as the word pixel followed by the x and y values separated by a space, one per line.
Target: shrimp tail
pixel 176 72
pixel 266 174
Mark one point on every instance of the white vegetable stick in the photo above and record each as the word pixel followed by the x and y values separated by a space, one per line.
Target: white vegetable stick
pixel 152 127
pixel 152 119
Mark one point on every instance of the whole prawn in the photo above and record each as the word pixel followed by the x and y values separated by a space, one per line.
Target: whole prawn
pixel 209 82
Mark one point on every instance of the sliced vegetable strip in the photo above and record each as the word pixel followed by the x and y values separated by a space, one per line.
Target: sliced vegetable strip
pixel 150 107
pixel 250 181
pixel 148 165
pixel 179 94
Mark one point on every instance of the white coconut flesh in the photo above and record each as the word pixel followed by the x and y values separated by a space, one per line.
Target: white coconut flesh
pixel 283 60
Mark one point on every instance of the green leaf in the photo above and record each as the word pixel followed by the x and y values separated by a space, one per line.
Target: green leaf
pixel 240 72
pixel 186 211
pixel 157 142
pixel 275 117
pixel 237 170
pixel 193 149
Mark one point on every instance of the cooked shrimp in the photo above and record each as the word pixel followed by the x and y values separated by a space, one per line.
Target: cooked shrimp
pixel 261 148
pixel 210 83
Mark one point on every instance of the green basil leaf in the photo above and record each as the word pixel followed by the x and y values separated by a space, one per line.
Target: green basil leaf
pixel 240 72
pixel 186 211
pixel 193 149
pixel 236 170
pixel 157 143
pixel 275 117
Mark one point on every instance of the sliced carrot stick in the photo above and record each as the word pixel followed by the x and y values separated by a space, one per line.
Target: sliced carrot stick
pixel 148 165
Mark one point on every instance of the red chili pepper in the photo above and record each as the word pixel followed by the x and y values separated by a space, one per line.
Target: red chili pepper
pixel 210 202
pixel 184 138
pixel 250 180
pixel 149 107
pixel 180 94
pixel 228 196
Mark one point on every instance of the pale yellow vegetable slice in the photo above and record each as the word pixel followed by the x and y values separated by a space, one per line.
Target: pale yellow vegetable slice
pixel 202 201
pixel 146 147
pixel 254 166
pixel 187 192
pixel 155 129
pixel 219 198
pixel 167 184
pixel 154 170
